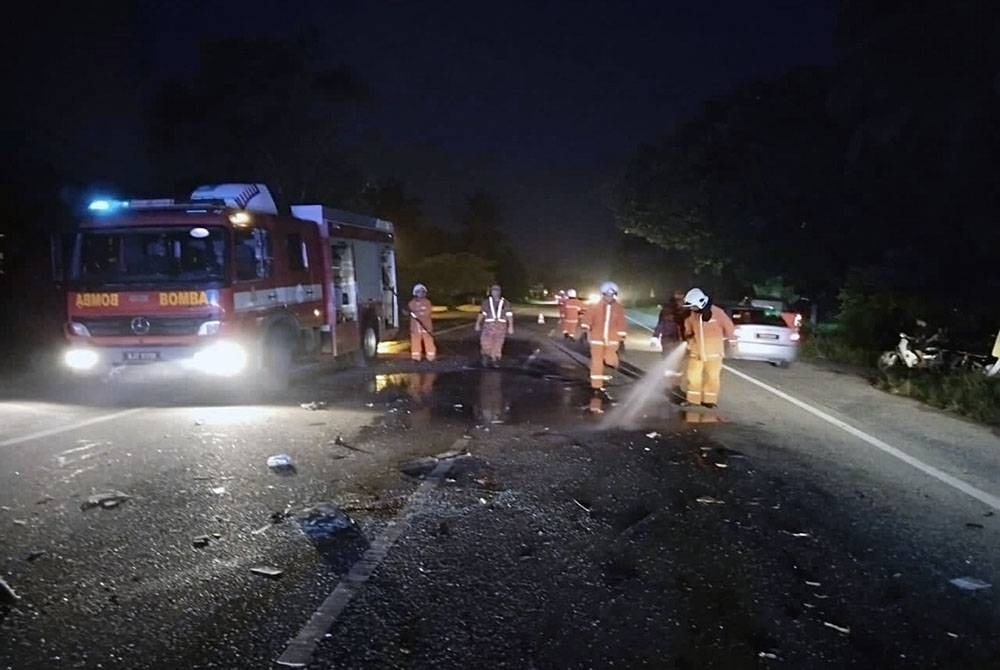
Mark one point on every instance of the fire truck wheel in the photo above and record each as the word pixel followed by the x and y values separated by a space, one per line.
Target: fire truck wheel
pixel 277 371
pixel 369 342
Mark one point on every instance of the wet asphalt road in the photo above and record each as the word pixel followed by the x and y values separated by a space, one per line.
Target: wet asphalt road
pixel 750 537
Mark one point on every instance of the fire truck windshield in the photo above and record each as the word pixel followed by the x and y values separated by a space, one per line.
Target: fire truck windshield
pixel 150 255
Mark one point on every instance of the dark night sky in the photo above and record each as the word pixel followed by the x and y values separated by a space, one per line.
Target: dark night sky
pixel 538 102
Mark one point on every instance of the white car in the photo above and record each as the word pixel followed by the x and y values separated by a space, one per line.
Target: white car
pixel 764 335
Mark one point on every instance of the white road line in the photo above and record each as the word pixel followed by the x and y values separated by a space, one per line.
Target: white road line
pixel 299 652
pixel 954 482
pixel 66 429
pixel 639 323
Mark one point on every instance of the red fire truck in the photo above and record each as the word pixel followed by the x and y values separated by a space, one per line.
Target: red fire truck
pixel 224 285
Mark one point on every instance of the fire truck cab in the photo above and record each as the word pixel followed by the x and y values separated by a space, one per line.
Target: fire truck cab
pixel 223 285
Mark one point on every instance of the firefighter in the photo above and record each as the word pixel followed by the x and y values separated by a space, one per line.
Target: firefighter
pixel 706 330
pixel 572 310
pixel 496 321
pixel 421 325
pixel 605 327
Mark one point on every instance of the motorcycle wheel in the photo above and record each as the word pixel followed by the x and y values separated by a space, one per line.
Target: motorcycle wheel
pixel 888 360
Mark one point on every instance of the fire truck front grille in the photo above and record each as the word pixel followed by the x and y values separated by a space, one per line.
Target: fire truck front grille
pixel 157 326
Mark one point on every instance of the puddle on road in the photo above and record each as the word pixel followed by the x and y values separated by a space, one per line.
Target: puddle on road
pixel 540 395
pixel 486 397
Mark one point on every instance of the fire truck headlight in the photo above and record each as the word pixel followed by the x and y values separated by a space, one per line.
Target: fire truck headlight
pixel 78 329
pixel 81 359
pixel 224 359
pixel 209 328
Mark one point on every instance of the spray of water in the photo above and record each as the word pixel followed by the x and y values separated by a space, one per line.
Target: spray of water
pixel 647 391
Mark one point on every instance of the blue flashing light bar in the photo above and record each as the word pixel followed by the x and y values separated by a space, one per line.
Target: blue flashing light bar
pixel 106 205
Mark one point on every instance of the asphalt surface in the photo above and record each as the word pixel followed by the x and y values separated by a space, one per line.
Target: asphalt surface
pixel 758 535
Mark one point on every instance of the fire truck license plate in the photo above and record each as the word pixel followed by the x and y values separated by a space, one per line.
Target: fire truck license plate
pixel 142 355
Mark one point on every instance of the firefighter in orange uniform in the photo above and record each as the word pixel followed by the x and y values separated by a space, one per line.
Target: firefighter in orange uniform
pixel 605 326
pixel 706 330
pixel 572 310
pixel 496 321
pixel 421 325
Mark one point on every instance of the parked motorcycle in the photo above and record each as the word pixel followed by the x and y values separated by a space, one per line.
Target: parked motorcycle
pixel 914 353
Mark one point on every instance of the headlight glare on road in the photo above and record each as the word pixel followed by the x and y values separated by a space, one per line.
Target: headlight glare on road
pixel 222 358
pixel 81 359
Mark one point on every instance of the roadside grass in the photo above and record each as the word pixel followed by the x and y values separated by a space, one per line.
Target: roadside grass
pixel 964 392
pixel 970 394
pixel 829 347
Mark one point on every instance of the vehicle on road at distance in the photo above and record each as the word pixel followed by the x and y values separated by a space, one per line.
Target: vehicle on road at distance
pixel 763 334
pixel 222 284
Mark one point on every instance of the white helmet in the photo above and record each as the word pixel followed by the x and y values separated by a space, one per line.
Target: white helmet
pixel 571 293
pixel 417 288
pixel 609 287
pixel 695 299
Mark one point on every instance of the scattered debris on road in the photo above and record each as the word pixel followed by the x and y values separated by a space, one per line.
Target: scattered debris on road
pixel 267 571
pixel 969 583
pixel 972 524
pixel 581 505
pixel 7 595
pixel 767 655
pixel 323 520
pixel 341 442
pixel 419 467
pixel 278 517
pixel 314 405
pixel 20 522
pixel 281 463
pixel 451 453
pixel 44 499
pixel 104 500
pixel 653 435
pixel 709 500
pixel 839 629
pixel 200 542
pixel 35 555
pixel 218 490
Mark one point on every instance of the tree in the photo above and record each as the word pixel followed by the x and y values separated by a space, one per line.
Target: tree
pixel 453 278
pixel 415 238
pixel 747 189
pixel 259 110
pixel 481 223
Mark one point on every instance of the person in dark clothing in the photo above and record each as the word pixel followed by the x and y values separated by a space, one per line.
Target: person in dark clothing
pixel 670 325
